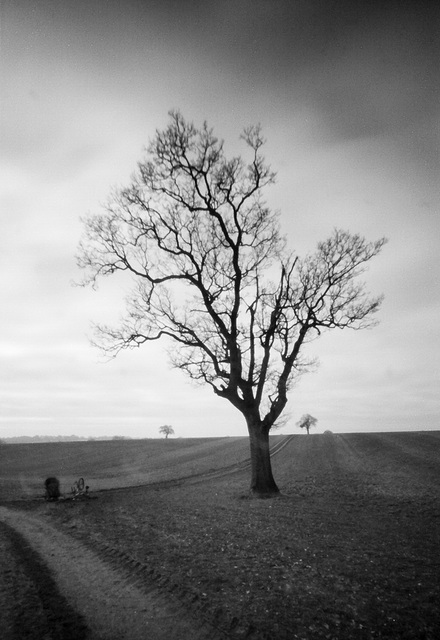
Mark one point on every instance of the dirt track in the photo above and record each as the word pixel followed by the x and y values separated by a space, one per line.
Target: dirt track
pixel 54 587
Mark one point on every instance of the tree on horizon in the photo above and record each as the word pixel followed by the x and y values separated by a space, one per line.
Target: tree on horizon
pixel 306 422
pixel 167 430
pixel 213 276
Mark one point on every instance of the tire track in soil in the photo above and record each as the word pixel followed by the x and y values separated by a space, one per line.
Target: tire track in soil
pixel 238 467
pixel 31 607
pixel 195 478
pixel 78 593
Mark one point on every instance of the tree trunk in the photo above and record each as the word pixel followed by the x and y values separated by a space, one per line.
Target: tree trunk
pixel 262 482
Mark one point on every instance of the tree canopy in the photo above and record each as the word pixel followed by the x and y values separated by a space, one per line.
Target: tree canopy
pixel 306 422
pixel 212 273
pixel 167 430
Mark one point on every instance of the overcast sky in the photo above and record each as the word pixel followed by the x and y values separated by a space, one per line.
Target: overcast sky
pixel 348 97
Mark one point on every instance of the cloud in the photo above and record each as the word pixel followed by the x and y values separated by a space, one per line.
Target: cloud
pixel 347 95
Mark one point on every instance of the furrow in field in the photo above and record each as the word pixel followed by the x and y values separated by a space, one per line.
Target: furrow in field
pixel 400 464
pixel 238 467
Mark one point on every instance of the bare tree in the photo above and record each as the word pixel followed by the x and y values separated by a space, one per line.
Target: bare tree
pixel 307 422
pixel 167 430
pixel 213 276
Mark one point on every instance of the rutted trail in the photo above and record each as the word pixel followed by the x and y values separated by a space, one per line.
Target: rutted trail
pixel 111 604
pixel 32 607
pixel 235 468
pixel 215 474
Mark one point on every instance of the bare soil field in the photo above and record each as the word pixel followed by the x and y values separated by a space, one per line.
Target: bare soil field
pixel 350 550
pixel 112 464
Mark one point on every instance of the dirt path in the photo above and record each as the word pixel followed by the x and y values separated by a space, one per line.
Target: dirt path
pixel 53 587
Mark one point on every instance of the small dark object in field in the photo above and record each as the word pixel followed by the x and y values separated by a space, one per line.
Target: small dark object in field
pixel 52 487
pixel 80 490
pixel 327 432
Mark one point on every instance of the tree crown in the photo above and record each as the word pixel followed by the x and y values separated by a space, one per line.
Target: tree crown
pixel 166 429
pixel 306 421
pixel 212 273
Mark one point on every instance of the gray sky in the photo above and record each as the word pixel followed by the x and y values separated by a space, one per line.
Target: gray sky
pixel 348 97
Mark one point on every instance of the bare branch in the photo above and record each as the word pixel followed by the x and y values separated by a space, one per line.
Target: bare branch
pixel 212 274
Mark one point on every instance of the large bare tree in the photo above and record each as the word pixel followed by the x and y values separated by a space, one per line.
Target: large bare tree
pixel 212 274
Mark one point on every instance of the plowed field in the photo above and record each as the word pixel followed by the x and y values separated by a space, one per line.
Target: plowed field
pixel 350 550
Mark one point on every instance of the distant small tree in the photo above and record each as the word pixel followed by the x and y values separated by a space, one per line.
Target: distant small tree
pixel 167 430
pixel 306 422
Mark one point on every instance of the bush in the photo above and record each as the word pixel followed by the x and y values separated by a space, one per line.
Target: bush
pixel 52 487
